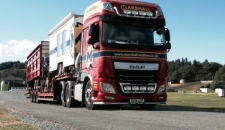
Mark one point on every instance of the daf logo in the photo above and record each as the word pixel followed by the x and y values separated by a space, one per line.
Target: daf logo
pixel 123 7
pixel 137 67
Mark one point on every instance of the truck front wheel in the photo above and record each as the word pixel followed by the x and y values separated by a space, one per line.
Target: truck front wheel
pixel 87 96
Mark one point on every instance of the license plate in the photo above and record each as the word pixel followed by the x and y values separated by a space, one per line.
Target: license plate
pixel 137 101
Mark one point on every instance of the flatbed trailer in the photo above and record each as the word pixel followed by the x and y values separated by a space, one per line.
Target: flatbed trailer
pixel 37 95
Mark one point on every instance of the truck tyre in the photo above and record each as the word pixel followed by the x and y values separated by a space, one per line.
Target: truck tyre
pixel 31 97
pixel 148 107
pixel 35 97
pixel 70 101
pixel 87 96
pixel 63 93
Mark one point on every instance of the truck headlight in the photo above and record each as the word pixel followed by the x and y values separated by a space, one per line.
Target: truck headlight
pixel 107 6
pixel 107 88
pixel 162 89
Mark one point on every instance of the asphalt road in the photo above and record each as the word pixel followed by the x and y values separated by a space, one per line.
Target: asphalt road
pixel 128 118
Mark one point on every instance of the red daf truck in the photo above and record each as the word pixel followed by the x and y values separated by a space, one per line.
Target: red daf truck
pixel 114 54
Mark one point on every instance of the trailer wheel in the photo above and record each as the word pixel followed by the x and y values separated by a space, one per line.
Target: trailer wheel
pixel 31 97
pixel 87 97
pixel 35 97
pixel 70 101
pixel 148 107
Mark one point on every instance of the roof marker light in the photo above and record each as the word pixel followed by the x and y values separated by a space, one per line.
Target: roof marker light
pixel 137 14
pixel 107 6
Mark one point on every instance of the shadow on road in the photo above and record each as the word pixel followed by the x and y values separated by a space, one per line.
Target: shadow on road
pixel 157 108
pixel 176 108
pixel 188 108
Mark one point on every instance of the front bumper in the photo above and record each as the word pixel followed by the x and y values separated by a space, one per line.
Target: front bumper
pixel 113 99
pixel 125 103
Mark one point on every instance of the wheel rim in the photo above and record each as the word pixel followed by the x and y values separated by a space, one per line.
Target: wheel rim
pixel 37 98
pixel 62 96
pixel 67 95
pixel 88 94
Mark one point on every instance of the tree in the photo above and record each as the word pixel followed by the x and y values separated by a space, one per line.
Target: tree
pixel 219 80
pixel 16 68
pixel 187 73
pixel 175 77
pixel 193 72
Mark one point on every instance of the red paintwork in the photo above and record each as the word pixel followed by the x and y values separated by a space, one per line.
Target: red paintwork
pixel 34 64
pixel 117 3
pixel 45 94
pixel 102 69
pixel 100 96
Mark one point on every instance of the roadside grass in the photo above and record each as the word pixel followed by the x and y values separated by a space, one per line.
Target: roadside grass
pixel 8 122
pixel 196 100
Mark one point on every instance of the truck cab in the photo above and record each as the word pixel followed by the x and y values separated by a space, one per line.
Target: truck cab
pixel 124 54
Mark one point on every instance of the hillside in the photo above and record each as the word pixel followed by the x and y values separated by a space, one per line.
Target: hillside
pixel 15 68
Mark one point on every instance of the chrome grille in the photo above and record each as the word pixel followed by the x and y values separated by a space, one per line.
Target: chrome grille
pixel 136 81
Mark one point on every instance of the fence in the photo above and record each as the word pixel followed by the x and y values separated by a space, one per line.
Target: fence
pixel 18 89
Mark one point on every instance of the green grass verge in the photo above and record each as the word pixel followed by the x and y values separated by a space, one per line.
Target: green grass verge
pixel 207 101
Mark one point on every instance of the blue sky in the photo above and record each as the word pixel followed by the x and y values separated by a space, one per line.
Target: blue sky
pixel 197 26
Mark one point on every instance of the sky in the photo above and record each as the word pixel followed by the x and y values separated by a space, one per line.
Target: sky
pixel 197 27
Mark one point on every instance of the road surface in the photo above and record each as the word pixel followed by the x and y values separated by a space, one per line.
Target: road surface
pixel 128 118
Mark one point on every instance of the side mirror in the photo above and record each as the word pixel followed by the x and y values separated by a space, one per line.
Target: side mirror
pixel 167 35
pixel 168 46
pixel 93 30
pixel 91 41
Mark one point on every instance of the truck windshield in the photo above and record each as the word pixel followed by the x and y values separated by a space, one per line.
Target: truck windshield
pixel 137 35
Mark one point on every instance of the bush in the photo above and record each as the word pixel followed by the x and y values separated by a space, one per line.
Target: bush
pixel 207 86
pixel 202 86
pixel 215 85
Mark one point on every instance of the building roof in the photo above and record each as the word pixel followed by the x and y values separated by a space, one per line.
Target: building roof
pixel 11 78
